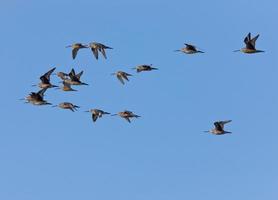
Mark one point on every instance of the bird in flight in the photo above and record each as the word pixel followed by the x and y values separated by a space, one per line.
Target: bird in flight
pixel 250 45
pixel 98 47
pixel 97 113
pixel 219 128
pixel 67 105
pixel 121 76
pixel 126 115
pixel 75 48
pixel 189 49
pixel 45 80
pixel 142 68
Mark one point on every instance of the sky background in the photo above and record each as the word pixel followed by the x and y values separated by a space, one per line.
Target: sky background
pixel 50 153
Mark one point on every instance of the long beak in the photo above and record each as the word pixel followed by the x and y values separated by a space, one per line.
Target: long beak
pixel 236 50
pixel 84 84
pixel 153 68
pixel 206 131
pixel 87 111
pixel 114 114
pixel 22 99
pixel 54 106
pixel 177 50
pixel 33 85
pixel 200 52
pixel 68 46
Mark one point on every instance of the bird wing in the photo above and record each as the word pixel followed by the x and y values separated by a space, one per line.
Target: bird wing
pixel 247 38
pixel 125 76
pixel 190 47
pixel 46 77
pixel 41 92
pixel 94 117
pixel 79 75
pixel 95 52
pixel 74 52
pixel 102 50
pixel 222 123
pixel 120 78
pixel 127 119
pixel 72 74
pixel 218 126
pixel 252 42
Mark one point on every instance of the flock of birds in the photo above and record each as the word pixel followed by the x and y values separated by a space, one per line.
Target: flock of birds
pixel 71 78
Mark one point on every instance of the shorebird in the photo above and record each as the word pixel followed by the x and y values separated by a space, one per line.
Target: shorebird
pixel 98 47
pixel 121 76
pixel 141 68
pixel 126 115
pixel 75 47
pixel 67 87
pixel 96 113
pixel 45 80
pixel 219 128
pixel 74 78
pixel 62 75
pixel 250 45
pixel 36 98
pixel 189 49
pixel 67 105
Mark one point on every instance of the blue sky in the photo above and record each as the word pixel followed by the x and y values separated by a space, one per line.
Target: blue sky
pixel 49 153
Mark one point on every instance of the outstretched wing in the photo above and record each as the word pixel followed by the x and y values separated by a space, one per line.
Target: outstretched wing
pixel 190 47
pixel 102 50
pixel 247 38
pixel 120 78
pixel 74 52
pixel 127 119
pixel 95 52
pixel 94 117
pixel 41 92
pixel 252 43
pixel 79 75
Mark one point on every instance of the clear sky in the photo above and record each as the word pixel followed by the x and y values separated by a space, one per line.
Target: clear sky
pixel 50 153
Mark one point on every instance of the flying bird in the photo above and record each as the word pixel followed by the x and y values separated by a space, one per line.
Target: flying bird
pixel 45 80
pixel 67 105
pixel 189 49
pixel 126 115
pixel 142 68
pixel 66 87
pixel 219 128
pixel 250 45
pixel 36 98
pixel 98 47
pixel 97 113
pixel 75 48
pixel 121 76
pixel 74 78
